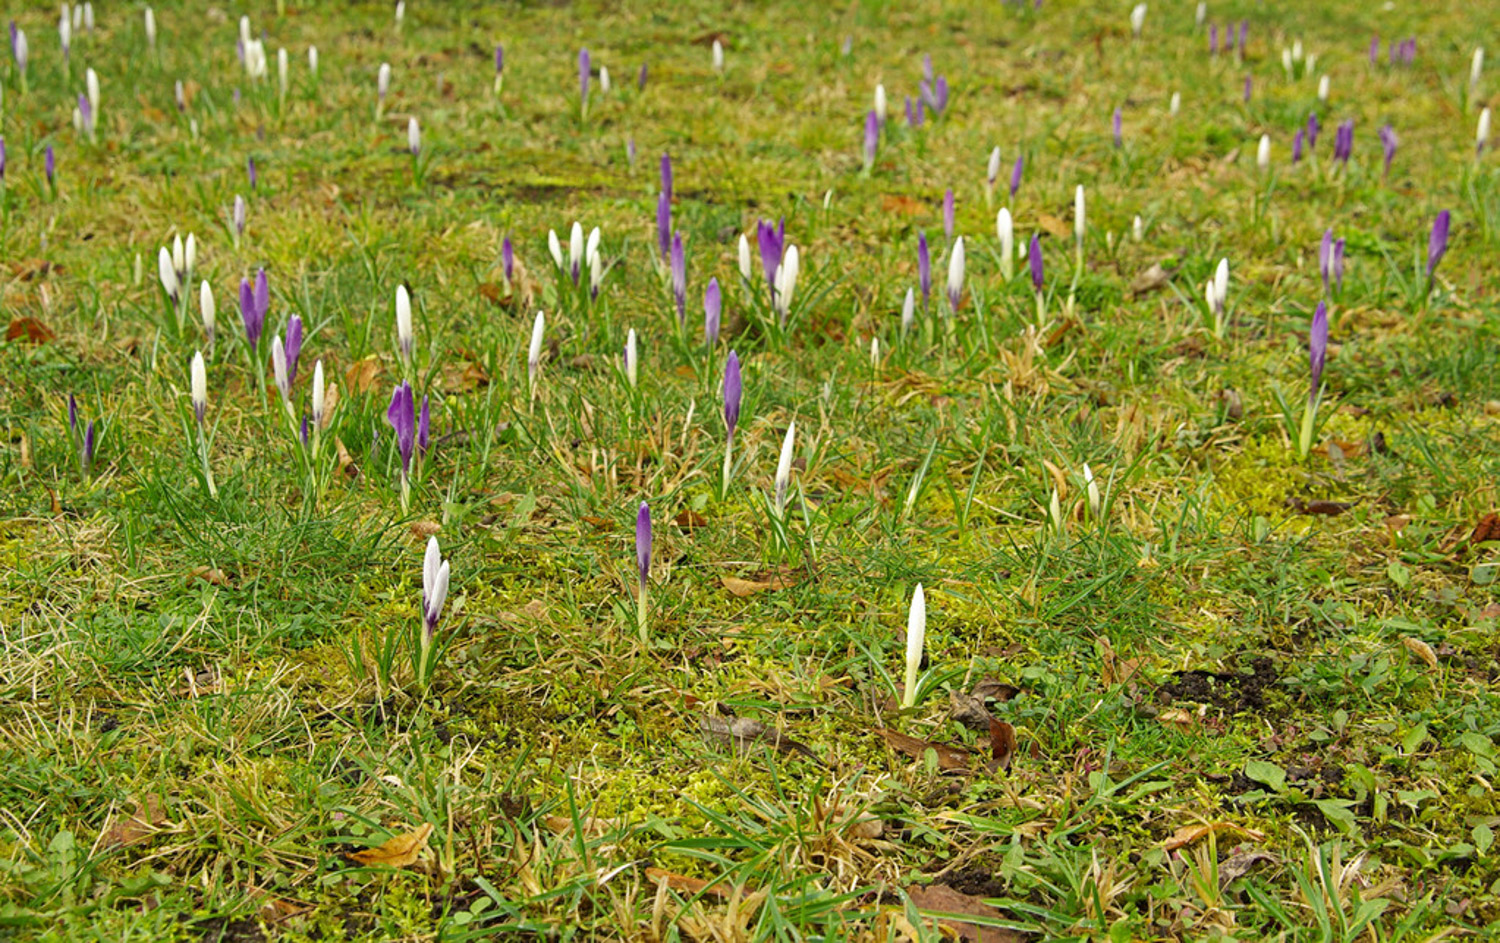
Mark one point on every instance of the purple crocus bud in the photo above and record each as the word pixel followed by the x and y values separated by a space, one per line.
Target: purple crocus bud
pixel 1297 144
pixel 499 59
pixel 770 250
pixel 1317 349
pixel 1244 31
pixel 927 66
pixel 508 259
pixel 713 303
pixel 1338 264
pixel 940 95
pixel 402 417
pixel 250 314
pixel 1325 257
pixel 1213 39
pixel 72 414
pixel 583 75
pixel 924 94
pixel 424 426
pixel 679 277
pixel 1034 259
pixel 924 268
pixel 640 80
pixel 872 137
pixel 666 174
pixel 88 447
pixel 1313 127
pixel 1116 125
pixel 643 543
pixel 630 150
pixel 304 428
pixel 948 214
pixel 912 120
pixel 1015 175
pixel 239 215
pixel 1437 243
pixel 293 347
pixel 1247 87
pixel 51 166
pixel 250 171
pixel 1374 50
pixel 664 224
pixel 2 159
pixel 733 390
pixel 262 295
pixel 85 112
pixel 1388 143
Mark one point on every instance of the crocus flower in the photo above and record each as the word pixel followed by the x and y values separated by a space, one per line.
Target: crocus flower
pixel 1006 232
pixel 784 468
pixel 1137 19
pixel 405 339
pixel 664 224
pixel 1116 126
pixel 786 283
pixel 716 55
pixel 534 352
pixel 293 347
pixel 1247 87
pixel 916 637
pixel 924 269
pixel 1174 104
pixel 424 426
pixel 679 278
pixel 913 117
pixel 50 166
pixel 278 370
pixel 575 251
pixel 948 215
pixel 772 240
pixel 1317 350
pixel 435 577
pixel 1034 259
pixel 992 171
pixel 262 294
pixel 632 359
pixel 72 414
pixel 1297 144
pixel 150 27
pixel 87 452
pixel 908 311
pixel 250 172
pixel 927 66
pixel 1324 86
pixel 1338 264
pixel 1325 257
pixel 1213 39
pixel 413 137
pixel 1015 175
pixel 250 314
pixel 2 160
pixel 643 544
pixel 880 104
pixel 382 83
pixel 1482 132
pixel 872 139
pixel 733 390
pixel 744 258
pixel 319 395
pixel 640 81
pixel 1476 67
pixel 1080 219
pixel 583 76
pixel 1263 153
pixel 402 417
pixel 239 217
pixel 199 387
pixel 167 273
pixel 1092 488
pixel 1244 30
pixel 508 259
pixel 19 49
pixel 956 275
pixel 312 61
pixel 940 94
pixel 666 174
pixel 712 308
pixel 1313 127
pixel 1437 242
pixel 1388 143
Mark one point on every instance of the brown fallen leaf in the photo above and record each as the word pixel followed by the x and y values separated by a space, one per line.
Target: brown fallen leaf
pixel 26 269
pixel 1237 866
pixel 1323 508
pixel 942 899
pixel 1002 745
pixel 330 403
pixel 988 689
pixel 1488 528
pixel 743 732
pixel 1149 280
pixel 683 884
pixel 400 851
pixel 1178 717
pixel 1189 834
pixel 899 203
pixel 688 519
pixel 198 683
pixel 29 330
pixel 363 376
pixel 141 824
pixel 953 759
pixel 424 529
pixel 970 711
pixel 1422 651
pixel 740 587
pixel 208 574
pixel 1116 670
pixel 346 461
pixel 1054 226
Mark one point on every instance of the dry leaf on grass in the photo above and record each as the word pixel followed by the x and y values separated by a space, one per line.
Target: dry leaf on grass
pixel 346 461
pixel 949 758
pixel 1237 866
pixel 899 203
pixel 742 732
pixel 139 826
pixel 424 529
pixel 1002 745
pixel 942 899
pixel 363 376
pixel 198 683
pixel 1055 226
pixel 1488 528
pixel 1178 717
pixel 30 330
pixel 1149 280
pixel 1189 834
pixel 1422 651
pixel 683 884
pixel 742 588
pixel 401 851
pixel 208 574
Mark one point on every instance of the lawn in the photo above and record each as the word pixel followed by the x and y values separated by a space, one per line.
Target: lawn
pixel 1054 579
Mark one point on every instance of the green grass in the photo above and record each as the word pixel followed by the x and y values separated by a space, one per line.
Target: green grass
pixel 194 728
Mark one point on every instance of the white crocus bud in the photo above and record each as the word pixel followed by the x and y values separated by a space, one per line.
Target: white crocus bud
pixel 91 84
pixel 179 261
pixel 784 468
pixel 400 13
pixel 199 386
pixel 1476 67
pixel 908 311
pixel 1175 105
pixel 413 136
pixel 189 258
pixel 405 339
pixel 383 80
pixel 1138 229
pixel 1286 61
pixel 278 369
pixel 745 271
pixel 992 168
pixel 534 352
pixel 1482 131
pixel 1200 15
pixel 1006 231
pixel 1263 153
pixel 555 248
pixel 1092 487
pixel 150 27
pixel 956 275
pixel 874 353
pixel 1323 87
pixel 604 80
pixel 312 60
pixel 786 279
pixel 1054 511
pixel 319 394
pixel 88 17
pixel 632 359
pixel 245 30
pixel 208 309
pixel 1080 221
pixel 575 248
pixel 283 69
pixel 1221 282
pixel 916 639
pixel 167 272
pixel 1137 19
pixel 718 56
pixel 591 247
pixel 880 106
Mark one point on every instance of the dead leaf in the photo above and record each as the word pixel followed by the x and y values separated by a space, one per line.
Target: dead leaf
pixel 346 461
pixel 1237 866
pixel 424 529
pixel 949 758
pixel 867 828
pixel 1002 745
pixel 363 376
pixel 942 899
pixel 742 732
pixel 1422 650
pixel 683 884
pixel 1323 508
pixel 1149 280
pixel 1116 670
pixel 988 689
pixel 330 403
pixel 687 519
pixel 26 269
pixel 970 711
pixel 142 824
pixel 601 524
pixel 739 587
pixel 899 203
pixel 401 851
pixel 1189 834
pixel 1054 226
pixel 30 330
pixel 1488 528
pixel 1178 717
pixel 210 575
pixel 198 683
